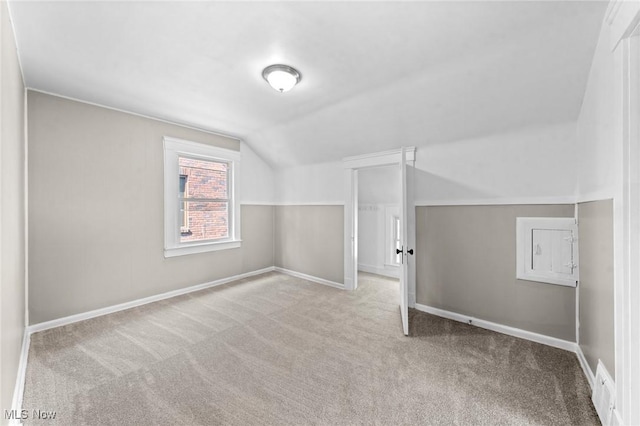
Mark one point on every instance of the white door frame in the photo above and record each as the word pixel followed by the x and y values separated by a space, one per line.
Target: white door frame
pixel 351 166
pixel 622 19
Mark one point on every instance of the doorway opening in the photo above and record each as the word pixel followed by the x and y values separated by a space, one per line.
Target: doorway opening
pixel 379 230
pixel 401 226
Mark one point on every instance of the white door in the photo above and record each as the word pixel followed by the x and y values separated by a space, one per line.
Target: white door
pixel 407 232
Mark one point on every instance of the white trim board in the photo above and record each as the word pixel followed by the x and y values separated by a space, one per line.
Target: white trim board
pixel 504 329
pixel 139 302
pixel 612 11
pixel 507 201
pixel 132 304
pixel 25 186
pixel 591 378
pixel 18 392
pixel 626 210
pixel 376 159
pixel 256 203
pixel 601 195
pixel 501 201
pixel 309 278
pixel 623 17
pixel 389 273
pixel 293 203
pixel 587 198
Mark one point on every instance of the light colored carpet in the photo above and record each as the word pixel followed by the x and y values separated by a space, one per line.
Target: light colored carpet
pixel 278 350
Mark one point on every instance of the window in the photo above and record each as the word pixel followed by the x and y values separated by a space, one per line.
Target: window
pixel 184 223
pixel 201 209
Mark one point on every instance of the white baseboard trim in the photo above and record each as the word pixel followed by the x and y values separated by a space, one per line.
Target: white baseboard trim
pixel 412 300
pixel 379 271
pixel 591 378
pixel 128 305
pixel 18 391
pixel 310 278
pixel 504 329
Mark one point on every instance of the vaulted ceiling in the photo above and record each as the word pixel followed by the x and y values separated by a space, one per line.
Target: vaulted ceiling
pixel 375 75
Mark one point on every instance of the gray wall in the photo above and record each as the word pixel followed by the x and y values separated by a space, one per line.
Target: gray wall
pixel 257 237
pixel 309 239
pixel 466 263
pixel 596 312
pixel 12 229
pixel 96 211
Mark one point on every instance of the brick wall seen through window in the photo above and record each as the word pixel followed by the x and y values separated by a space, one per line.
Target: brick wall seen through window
pixel 205 201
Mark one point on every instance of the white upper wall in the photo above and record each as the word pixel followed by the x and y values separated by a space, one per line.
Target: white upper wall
pixel 599 123
pixel 379 185
pixel 257 180
pixel 313 184
pixel 532 165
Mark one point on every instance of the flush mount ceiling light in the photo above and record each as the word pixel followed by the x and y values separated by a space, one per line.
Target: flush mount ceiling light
pixel 281 77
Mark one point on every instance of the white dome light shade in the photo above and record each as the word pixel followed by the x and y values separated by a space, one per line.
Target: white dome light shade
pixel 281 80
pixel 281 77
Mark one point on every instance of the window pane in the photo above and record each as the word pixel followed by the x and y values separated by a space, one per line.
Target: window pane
pixel 204 221
pixel 183 184
pixel 203 179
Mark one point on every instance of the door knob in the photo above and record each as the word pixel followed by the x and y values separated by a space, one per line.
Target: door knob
pixel 410 251
pixel 398 251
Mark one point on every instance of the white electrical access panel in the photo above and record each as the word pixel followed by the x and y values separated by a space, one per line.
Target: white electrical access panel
pixel 547 250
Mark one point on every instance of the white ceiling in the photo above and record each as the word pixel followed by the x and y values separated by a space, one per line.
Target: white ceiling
pixel 375 75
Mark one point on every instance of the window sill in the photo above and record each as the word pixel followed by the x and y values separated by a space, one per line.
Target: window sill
pixel 201 248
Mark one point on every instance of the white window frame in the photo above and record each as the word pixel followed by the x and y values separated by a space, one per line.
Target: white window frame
pixel 173 149
pixel 524 252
